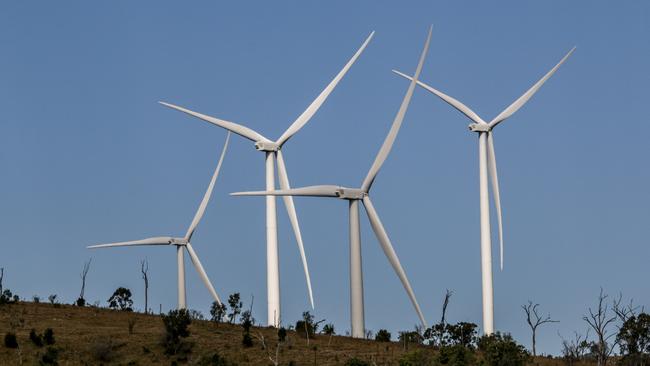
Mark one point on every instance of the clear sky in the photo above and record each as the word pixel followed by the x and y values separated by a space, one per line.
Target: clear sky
pixel 88 156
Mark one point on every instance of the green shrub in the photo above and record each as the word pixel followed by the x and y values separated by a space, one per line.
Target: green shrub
pixel 121 299
pixel 37 339
pixel 176 327
pixel 356 362
pixel 247 340
pixel 456 355
pixel 50 357
pixel 382 336
pixel 48 336
pixel 10 340
pixel 500 349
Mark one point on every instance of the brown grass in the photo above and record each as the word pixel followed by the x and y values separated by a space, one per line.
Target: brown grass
pixel 84 334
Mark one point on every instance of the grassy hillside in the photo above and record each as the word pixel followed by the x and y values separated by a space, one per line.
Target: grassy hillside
pixel 85 335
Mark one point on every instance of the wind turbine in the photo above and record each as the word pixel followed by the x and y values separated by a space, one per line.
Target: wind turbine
pixel 183 242
pixel 273 152
pixel 488 167
pixel 353 196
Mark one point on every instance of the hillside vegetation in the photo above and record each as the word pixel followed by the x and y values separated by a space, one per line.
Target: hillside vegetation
pixel 92 336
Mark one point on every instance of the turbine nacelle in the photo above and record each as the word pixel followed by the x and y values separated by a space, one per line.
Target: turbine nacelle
pixel 479 127
pixel 178 242
pixel 350 193
pixel 267 146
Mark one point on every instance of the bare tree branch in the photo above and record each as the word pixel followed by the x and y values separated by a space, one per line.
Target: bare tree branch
pixel 144 268
pixel 448 294
pixel 599 320
pixel 83 275
pixel 534 320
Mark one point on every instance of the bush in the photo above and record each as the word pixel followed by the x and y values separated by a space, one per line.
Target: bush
pixel 214 360
pixel 235 306
pixel 176 327
pixel 121 299
pixel 37 339
pixel 382 336
pixel 356 362
pixel 307 327
pixel 103 350
pixel 36 299
pixel 48 336
pixel 80 302
pixel 50 357
pixel 247 340
pixel 456 355
pixel 52 299
pixel 6 297
pixel 500 349
pixel 282 334
pixel 10 340
pixel 417 357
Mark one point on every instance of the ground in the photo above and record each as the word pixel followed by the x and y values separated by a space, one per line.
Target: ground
pixel 85 335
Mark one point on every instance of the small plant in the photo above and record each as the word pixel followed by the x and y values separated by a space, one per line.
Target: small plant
pixel 356 362
pixel 382 336
pixel 121 300
pixel 132 322
pixel 10 340
pixel 282 334
pixel 176 327
pixel 50 357
pixel 81 302
pixel 36 299
pixel 52 299
pixel 36 339
pixel 247 340
pixel 103 350
pixel 48 336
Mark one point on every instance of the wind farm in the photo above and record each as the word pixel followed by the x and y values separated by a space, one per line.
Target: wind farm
pixel 97 160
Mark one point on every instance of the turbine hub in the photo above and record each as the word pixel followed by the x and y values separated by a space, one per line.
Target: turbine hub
pixel 350 193
pixel 479 127
pixel 266 146
pixel 178 241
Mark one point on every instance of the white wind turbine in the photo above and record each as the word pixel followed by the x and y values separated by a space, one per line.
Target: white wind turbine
pixel 488 167
pixel 353 196
pixel 273 152
pixel 183 242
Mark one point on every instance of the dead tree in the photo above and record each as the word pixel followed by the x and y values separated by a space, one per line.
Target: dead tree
pixel 535 320
pixel 82 301
pixel 2 275
pixel 444 305
pixel 599 320
pixel 144 268
pixel 625 312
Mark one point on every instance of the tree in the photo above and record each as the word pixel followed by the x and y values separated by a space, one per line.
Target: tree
pixel 144 268
pixel 500 349
pixel 534 320
pixel 633 339
pixel 235 306
pixel 574 350
pixel 445 303
pixel 382 336
pixel 2 276
pixel 328 329
pixel 81 301
pixel 217 311
pixel 121 299
pixel 599 320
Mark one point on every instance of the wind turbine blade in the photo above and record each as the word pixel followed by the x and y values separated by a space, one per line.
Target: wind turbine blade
pixel 397 122
pixel 204 276
pixel 208 193
pixel 158 240
pixel 492 168
pixel 313 191
pixel 230 126
pixel 315 105
pixel 387 247
pixel 293 217
pixel 462 108
pixel 527 95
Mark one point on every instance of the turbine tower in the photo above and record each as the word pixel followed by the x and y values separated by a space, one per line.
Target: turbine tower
pixel 183 242
pixel 488 167
pixel 353 196
pixel 273 154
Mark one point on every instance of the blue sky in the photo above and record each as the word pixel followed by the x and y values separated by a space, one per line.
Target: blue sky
pixel 88 156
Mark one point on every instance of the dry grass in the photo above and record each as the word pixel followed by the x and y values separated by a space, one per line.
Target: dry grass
pixel 85 335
